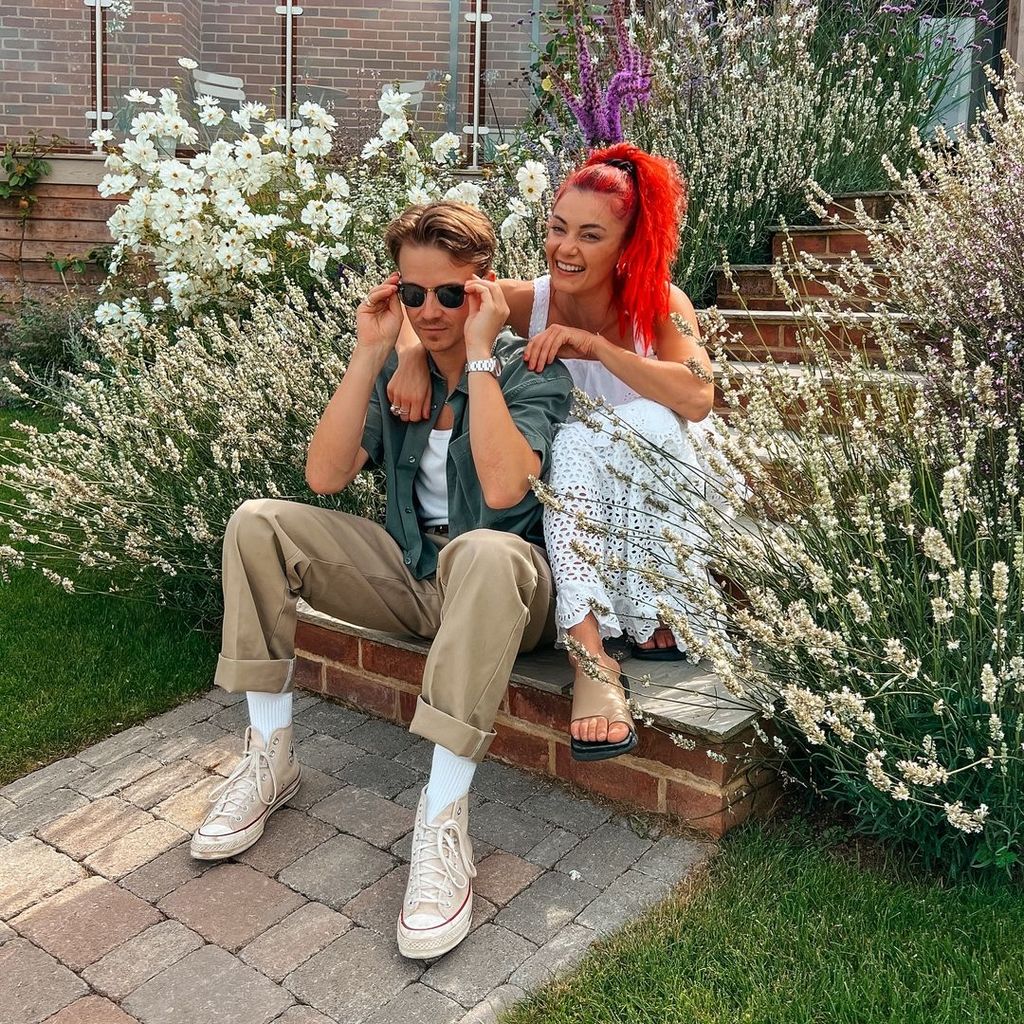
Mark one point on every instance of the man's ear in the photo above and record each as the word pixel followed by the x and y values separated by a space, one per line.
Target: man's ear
pixel 491 276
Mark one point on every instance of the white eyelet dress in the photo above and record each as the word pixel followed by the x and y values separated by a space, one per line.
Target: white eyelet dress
pixel 598 475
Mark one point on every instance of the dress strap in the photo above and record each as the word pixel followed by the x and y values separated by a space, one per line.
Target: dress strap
pixel 541 304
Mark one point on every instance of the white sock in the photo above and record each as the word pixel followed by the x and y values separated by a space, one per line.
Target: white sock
pixel 450 777
pixel 269 711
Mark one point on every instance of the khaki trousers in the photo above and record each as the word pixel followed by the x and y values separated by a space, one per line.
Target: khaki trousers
pixel 492 597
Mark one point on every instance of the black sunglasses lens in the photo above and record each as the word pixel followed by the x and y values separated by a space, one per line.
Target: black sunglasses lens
pixel 412 295
pixel 451 296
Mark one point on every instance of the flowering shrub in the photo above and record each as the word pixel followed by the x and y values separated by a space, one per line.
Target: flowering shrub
pixel 752 104
pixel 876 616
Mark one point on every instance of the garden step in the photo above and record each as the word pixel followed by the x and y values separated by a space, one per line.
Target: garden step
pixel 381 673
pixel 826 241
pixel 877 205
pixel 757 288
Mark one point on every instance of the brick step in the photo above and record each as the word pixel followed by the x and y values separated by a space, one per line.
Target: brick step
pixel 826 241
pixel 877 205
pixel 381 674
pixel 759 290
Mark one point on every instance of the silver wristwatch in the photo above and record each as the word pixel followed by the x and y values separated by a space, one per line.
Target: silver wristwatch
pixel 491 366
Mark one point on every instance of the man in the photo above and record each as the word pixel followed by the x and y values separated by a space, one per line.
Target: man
pixel 458 561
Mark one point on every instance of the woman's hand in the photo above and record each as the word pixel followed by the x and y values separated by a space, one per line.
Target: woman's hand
pixel 409 390
pixel 556 342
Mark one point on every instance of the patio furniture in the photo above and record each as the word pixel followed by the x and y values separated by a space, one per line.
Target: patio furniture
pixel 220 87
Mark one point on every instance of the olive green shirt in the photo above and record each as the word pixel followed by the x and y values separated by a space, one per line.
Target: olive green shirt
pixel 537 402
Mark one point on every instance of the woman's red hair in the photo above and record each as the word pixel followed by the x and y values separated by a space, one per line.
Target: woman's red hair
pixel 651 198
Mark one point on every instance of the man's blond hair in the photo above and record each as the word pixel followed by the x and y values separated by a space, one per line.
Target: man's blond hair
pixel 459 229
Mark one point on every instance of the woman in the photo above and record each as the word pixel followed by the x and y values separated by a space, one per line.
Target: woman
pixel 604 309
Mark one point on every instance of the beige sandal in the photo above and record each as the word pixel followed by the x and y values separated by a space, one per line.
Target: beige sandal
pixel 601 698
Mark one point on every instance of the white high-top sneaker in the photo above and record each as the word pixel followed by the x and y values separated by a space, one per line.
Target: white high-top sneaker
pixel 266 777
pixel 438 905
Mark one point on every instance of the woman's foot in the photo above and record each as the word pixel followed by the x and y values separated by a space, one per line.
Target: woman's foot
pixel 662 638
pixel 597 730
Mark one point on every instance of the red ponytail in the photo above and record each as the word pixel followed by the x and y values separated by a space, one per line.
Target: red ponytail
pixel 651 196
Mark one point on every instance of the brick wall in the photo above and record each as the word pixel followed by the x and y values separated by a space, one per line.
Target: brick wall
pixel 344 55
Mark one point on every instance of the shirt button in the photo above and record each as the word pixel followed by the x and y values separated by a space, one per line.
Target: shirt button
pixel 412 458
pixel 408 560
pixel 408 509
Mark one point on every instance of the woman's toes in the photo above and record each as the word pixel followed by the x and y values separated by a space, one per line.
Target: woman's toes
pixel 617 732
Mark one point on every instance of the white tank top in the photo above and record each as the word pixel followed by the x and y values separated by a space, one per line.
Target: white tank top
pixel 589 375
pixel 431 484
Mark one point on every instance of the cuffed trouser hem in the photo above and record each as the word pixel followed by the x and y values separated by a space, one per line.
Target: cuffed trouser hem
pixel 263 676
pixel 458 737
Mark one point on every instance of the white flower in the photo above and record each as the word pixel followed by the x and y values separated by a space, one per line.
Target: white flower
pixel 248 151
pixel 168 101
pixel 314 213
pixel 318 259
pixel 101 136
pixel 465 192
pixel 242 118
pixel 372 148
pixel 935 547
pixel 338 216
pixel 211 116
pixel 392 103
pixel 205 100
pixel 546 143
pixel 989 684
pixel 316 114
pixel 337 185
pixel 393 129
pixel 115 184
pixel 443 146
pixel 306 174
pixel 418 195
pixel 533 180
pixel 138 96
pixel 276 132
pixel 107 313
pixel 187 63
pixel 518 207
pixel 1000 582
pixel 310 140
pixel 410 155
pixel 509 226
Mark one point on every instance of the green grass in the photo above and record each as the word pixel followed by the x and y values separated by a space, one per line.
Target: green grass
pixel 783 931
pixel 76 667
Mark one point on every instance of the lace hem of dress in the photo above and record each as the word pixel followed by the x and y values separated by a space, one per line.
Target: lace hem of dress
pixel 572 606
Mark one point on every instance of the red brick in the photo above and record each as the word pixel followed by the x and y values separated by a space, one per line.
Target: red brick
pixel 706 812
pixel 308 675
pixel 374 695
pixel 539 707
pixel 342 648
pixel 395 662
pixel 406 706
pixel 615 778
pixel 519 747
pixel 656 745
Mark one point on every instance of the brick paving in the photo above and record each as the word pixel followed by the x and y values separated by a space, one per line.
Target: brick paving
pixel 105 917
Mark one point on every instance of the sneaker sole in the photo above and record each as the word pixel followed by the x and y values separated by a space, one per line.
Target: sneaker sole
pixel 415 946
pixel 243 840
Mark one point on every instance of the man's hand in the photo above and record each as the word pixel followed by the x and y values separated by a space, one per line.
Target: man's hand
pixel 488 314
pixel 379 317
pixel 556 342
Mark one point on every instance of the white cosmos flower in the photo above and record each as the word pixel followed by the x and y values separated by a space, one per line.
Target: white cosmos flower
pixel 147 123
pixel 393 129
pixel 168 101
pixel 205 100
pixel 410 154
pixel 509 225
pixel 248 151
pixel 174 174
pixel 392 103
pixel 372 148
pixel 337 185
pixel 107 313
pixel 533 180
pixel 138 96
pixel 546 143
pixel 211 116
pixel 276 132
pixel 443 146
pixel 518 207
pixel 465 192
pixel 257 111
pixel 187 63
pixel 318 258
pixel 306 174
pixel 100 136
pixel 316 114
pixel 242 118
pixel 309 140
pixel 314 213
pixel 419 195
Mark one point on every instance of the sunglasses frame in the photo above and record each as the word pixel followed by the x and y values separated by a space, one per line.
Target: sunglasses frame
pixel 436 290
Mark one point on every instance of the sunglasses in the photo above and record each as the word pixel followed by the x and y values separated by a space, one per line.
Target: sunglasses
pixel 451 296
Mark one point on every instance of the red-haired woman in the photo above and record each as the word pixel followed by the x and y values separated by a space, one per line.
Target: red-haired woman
pixel 604 308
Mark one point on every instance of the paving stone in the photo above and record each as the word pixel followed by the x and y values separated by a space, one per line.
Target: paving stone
pixel 299 1014
pixel 562 952
pixel 92 827
pixel 336 870
pixel 30 871
pixel 642 823
pixel 219 754
pixel 314 787
pixel 546 906
pixel 419 756
pixel 232 906
pixel 208 986
pixel 115 776
pixel 380 775
pixel 233 719
pixel 33 986
pixel 490 1008
pixel 6 933
pixel 222 697
pixel 34 814
pixel 6 806
pixel 164 782
pixel 124 855
pixel 506 784
pixel 183 716
pixel 409 797
pixel 673 857
pixel 327 753
pixel 332 719
pixel 180 744
pixel 567 811
pixel 366 816
pixel 506 828
pixel 417 1004
pixel 288 835
pixel 379 737
pixel 604 855
pixel 45 780
pixel 553 847
pixel 500 876
pixel 626 898
pixel 91 1010
pixel 354 976
pixel 115 747
pixel 188 808
pixel 84 922
pixel 156 879
pixel 132 964
pixel 291 942
pixel 480 963
pixel 302 702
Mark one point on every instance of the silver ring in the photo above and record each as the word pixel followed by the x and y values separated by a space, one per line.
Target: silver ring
pixel 396 409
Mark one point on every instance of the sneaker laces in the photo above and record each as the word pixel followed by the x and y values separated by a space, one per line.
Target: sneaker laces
pixel 244 782
pixel 438 862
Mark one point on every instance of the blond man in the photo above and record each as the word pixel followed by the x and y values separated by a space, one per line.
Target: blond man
pixel 459 559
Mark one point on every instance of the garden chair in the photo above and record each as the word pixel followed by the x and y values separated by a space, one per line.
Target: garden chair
pixel 221 87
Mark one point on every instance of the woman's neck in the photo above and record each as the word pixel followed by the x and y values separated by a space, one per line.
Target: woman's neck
pixel 594 310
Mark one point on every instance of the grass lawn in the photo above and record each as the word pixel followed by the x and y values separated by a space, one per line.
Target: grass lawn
pixel 75 668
